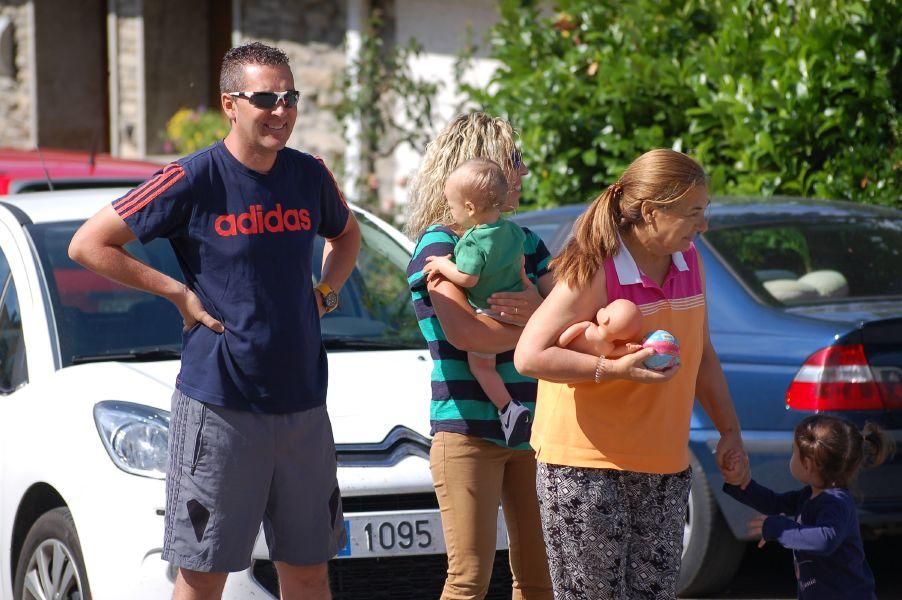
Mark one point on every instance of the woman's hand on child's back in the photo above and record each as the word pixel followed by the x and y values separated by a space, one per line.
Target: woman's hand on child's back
pixel 517 307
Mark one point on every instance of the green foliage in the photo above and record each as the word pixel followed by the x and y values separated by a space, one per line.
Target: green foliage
pixel 798 98
pixel 189 130
pixel 768 248
pixel 380 93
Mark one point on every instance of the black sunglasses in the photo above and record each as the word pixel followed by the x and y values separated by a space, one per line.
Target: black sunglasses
pixel 516 159
pixel 268 100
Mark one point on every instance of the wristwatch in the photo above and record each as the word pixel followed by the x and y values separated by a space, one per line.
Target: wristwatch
pixel 330 297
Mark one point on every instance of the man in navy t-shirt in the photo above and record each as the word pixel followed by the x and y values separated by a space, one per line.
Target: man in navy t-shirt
pixel 250 440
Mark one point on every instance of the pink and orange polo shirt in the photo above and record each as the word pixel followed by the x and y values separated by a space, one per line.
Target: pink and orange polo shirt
pixel 624 425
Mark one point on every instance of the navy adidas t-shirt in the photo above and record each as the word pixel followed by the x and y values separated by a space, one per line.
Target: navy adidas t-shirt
pixel 244 241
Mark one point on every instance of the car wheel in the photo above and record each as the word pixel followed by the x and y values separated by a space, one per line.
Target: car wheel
pixel 711 554
pixel 50 564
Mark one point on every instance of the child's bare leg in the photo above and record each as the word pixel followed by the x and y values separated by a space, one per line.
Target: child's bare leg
pixel 516 420
pixel 483 369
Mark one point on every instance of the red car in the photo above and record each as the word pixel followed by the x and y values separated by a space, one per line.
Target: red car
pixel 37 171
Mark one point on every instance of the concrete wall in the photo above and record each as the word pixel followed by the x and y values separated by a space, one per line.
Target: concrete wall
pixel 16 110
pixel 441 28
pixel 177 62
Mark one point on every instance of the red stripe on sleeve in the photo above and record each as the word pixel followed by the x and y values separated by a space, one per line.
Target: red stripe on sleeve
pixel 141 196
pixel 138 204
pixel 334 181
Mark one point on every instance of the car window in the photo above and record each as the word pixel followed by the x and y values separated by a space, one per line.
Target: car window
pixel 808 262
pixel 13 364
pixel 96 317
pixel 375 307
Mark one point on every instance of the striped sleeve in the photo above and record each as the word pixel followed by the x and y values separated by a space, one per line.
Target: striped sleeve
pixel 435 241
pixel 159 207
pixel 537 255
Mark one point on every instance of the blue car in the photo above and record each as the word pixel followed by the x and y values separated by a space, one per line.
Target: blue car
pixel 805 312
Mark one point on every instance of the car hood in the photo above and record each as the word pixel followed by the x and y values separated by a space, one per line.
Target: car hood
pixel 370 393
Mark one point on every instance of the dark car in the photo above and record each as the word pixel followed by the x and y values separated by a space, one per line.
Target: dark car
pixel 805 312
pixel 23 171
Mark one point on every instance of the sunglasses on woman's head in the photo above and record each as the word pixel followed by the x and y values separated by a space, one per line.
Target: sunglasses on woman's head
pixel 269 100
pixel 516 159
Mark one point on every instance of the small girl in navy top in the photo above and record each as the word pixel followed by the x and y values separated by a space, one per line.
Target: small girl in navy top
pixel 819 522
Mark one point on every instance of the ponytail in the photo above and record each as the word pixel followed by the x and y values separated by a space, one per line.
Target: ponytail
pixel 595 238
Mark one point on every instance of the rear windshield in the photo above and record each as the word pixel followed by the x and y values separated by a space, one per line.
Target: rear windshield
pixel 816 262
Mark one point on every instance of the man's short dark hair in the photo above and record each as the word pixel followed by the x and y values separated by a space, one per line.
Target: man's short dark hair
pixel 231 76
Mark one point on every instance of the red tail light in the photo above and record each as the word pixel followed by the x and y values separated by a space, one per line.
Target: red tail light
pixel 835 378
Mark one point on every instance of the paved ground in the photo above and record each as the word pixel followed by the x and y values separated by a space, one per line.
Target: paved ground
pixel 767 574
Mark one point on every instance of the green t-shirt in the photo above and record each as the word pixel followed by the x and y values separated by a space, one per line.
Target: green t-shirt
pixel 494 252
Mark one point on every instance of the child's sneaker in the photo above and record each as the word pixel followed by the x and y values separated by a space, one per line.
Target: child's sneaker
pixel 516 423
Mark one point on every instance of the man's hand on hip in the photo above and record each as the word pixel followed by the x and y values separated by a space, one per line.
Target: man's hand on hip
pixel 193 311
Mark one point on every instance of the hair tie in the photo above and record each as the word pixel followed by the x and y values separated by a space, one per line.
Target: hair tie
pixel 616 188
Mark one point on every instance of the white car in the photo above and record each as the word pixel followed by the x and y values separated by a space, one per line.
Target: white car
pixel 87 369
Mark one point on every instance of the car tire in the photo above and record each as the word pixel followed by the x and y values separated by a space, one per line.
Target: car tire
pixel 711 554
pixel 51 561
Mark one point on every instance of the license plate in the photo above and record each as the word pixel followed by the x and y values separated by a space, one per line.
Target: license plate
pixel 400 533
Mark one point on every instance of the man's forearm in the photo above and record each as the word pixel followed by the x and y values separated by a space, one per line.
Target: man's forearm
pixel 340 255
pixel 115 263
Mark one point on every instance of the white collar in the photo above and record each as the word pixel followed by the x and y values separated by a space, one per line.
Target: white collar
pixel 628 270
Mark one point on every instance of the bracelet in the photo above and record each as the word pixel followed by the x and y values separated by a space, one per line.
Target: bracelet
pixel 599 368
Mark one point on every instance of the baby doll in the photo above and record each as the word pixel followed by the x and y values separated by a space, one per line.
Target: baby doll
pixel 619 321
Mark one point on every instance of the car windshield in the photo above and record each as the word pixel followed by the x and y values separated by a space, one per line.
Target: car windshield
pixel 816 262
pixel 97 319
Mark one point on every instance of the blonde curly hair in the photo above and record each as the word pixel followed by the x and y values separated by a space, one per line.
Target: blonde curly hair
pixel 472 135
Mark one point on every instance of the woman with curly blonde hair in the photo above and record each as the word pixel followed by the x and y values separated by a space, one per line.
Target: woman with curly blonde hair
pixel 473 468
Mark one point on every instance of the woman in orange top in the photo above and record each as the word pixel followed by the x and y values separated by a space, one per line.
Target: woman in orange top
pixel 611 436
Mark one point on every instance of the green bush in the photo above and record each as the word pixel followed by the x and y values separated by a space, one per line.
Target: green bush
pixel 189 130
pixel 798 98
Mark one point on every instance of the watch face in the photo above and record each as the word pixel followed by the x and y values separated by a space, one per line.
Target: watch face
pixel 330 300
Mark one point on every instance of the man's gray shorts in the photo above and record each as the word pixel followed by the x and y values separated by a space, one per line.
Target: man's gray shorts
pixel 230 470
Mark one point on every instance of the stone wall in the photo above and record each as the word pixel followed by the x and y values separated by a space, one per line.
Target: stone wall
pixel 312 33
pixel 15 87
pixel 128 64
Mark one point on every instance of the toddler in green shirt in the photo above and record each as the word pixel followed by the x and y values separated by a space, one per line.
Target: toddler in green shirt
pixel 487 259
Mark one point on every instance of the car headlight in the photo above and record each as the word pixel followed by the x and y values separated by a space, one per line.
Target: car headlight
pixel 135 436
